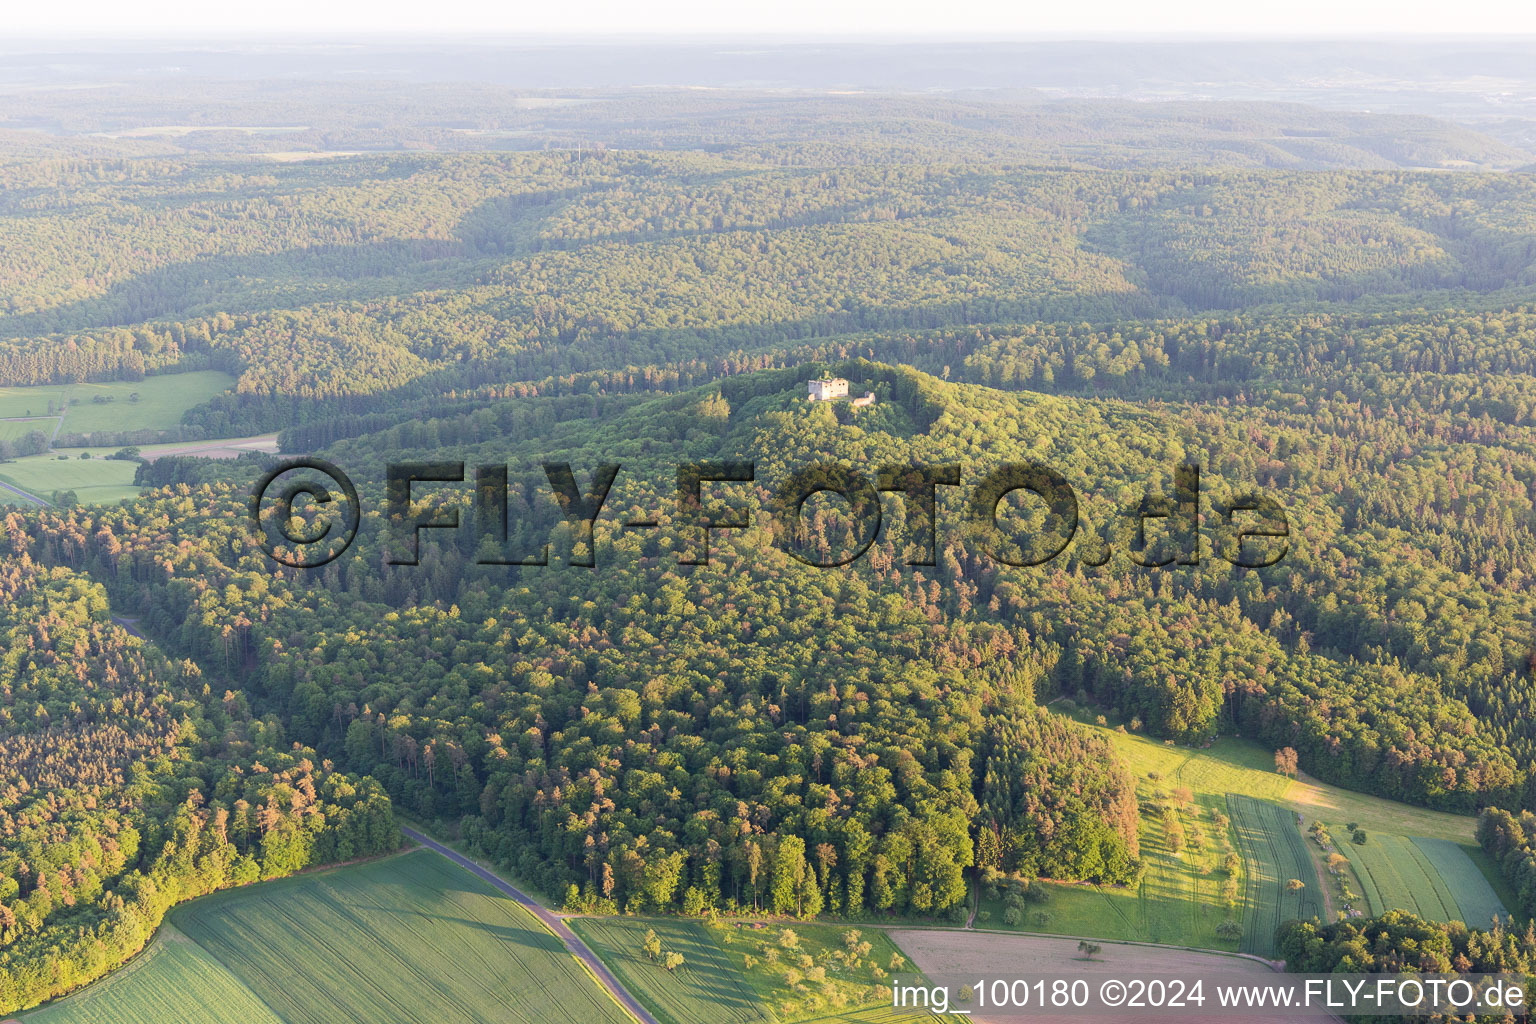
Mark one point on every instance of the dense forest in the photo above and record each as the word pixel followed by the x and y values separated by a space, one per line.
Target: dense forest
pixel 1350 338
pixel 129 783
pixel 1401 943
pixel 1511 840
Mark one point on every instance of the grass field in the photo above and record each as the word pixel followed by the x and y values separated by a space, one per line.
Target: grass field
pixel 1233 765
pixel 1274 853
pixel 716 986
pixel 709 987
pixel 162 401
pixel 1179 898
pixel 1171 905
pixel 93 480
pixel 160 404
pixel 1096 911
pixel 1475 898
pixel 1504 892
pixel 174 981
pixel 409 938
pixel 881 1014
pixel 99 479
pixel 15 430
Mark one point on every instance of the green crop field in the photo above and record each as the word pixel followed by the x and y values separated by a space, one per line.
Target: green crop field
pixel 93 480
pixel 1395 874
pixel 1489 869
pixel 715 985
pixel 409 938
pixel 1434 878
pixel 160 404
pixel 1476 902
pixel 174 981
pixel 1274 853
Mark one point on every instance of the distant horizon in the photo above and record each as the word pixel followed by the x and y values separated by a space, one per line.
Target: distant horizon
pixel 1471 77
pixel 118 38
pixel 809 20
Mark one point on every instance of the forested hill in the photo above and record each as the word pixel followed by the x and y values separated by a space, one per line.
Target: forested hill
pixel 662 720
pixel 130 781
pixel 1356 344
pixel 373 274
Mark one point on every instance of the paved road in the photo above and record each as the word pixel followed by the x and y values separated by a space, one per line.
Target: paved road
pixel 554 921
pixel 131 625
pixel 34 499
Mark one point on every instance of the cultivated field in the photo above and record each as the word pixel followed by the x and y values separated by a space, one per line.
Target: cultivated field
pixel 959 955
pixel 1476 900
pixel 1274 854
pixel 409 938
pixel 174 981
pixel 709 987
pixel 99 479
pixel 716 984
pixel 1395 874
pixel 213 448
pixel 1433 878
pixel 161 402
pixel 94 480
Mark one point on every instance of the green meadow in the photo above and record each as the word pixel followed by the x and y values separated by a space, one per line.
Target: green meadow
pixel 1182 897
pixel 94 480
pixel 1431 877
pixel 154 403
pixel 15 430
pixel 1231 765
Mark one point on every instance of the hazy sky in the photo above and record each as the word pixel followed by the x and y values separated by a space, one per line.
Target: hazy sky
pixel 949 18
